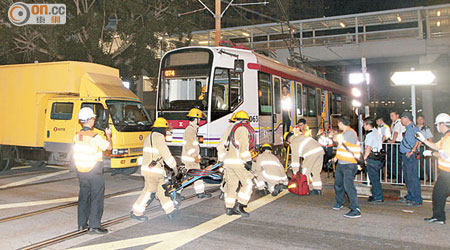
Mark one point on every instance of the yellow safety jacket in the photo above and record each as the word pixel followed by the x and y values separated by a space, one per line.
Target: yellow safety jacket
pixel 86 153
pixel 346 155
pixel 155 149
pixel 191 147
pixel 444 146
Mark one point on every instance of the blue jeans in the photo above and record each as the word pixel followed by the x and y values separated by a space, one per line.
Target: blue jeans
pixel 343 183
pixel 373 169
pixel 411 175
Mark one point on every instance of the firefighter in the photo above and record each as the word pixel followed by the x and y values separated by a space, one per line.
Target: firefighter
pixel 325 135
pixel 156 153
pixel 302 128
pixel 87 154
pixel 190 155
pixel 268 169
pixel 221 151
pixel 237 165
pixel 441 189
pixel 312 153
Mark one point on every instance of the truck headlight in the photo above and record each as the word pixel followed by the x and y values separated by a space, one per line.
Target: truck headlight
pixel 119 151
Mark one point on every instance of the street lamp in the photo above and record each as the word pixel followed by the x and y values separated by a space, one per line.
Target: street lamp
pixel 413 78
pixel 358 78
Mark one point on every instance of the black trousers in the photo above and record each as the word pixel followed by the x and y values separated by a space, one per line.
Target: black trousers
pixel 90 199
pixel 343 183
pixel 286 121
pixel 441 191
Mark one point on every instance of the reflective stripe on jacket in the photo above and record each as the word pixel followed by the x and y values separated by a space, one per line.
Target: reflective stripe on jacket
pixel 444 164
pixel 191 147
pixel 236 157
pixel 155 148
pixel 269 167
pixel 304 146
pixel 86 153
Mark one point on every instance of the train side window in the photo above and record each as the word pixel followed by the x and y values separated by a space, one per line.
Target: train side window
pixel 277 92
pixel 100 121
pixel 298 98
pixel 264 94
pixel 310 101
pixel 338 101
pixel 62 111
pixel 236 89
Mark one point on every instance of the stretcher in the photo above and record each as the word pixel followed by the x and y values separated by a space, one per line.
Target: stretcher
pixel 173 185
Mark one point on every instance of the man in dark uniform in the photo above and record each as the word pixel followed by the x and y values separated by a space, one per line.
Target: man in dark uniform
pixel 88 157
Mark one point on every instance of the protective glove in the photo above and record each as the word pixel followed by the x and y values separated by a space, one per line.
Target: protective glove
pixel 248 165
pixel 444 155
pixel 197 159
pixel 427 153
pixel 419 136
pixel 220 163
pixel 175 171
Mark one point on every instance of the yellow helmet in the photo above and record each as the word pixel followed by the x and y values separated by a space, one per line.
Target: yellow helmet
pixel 196 113
pixel 266 146
pixel 242 115
pixel 160 123
pixel 287 135
pixel 253 153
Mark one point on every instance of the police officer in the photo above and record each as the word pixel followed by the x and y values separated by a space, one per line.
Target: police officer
pixel 441 189
pixel 426 168
pixel 408 149
pixel 190 154
pixel 302 128
pixel 268 169
pixel 347 153
pixel 383 129
pixel 237 164
pixel 373 145
pixel 156 153
pixel 87 154
pixel 312 153
pixel 325 135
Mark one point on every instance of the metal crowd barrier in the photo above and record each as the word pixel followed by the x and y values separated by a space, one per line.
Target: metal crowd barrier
pixel 392 172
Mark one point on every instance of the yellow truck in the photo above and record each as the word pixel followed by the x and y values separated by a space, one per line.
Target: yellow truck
pixel 39 105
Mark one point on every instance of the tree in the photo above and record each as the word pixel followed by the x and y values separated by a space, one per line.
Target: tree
pixel 125 34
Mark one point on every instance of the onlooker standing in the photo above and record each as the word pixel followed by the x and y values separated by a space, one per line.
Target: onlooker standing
pixel 373 145
pixel 441 189
pixel 347 151
pixel 425 165
pixel 395 162
pixel 383 129
pixel 408 148
pixel 286 107
pixel 325 135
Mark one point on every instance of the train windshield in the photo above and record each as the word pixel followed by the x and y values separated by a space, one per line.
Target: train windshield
pixel 184 80
pixel 129 116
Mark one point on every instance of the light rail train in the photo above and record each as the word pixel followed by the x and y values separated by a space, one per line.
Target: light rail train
pixel 222 80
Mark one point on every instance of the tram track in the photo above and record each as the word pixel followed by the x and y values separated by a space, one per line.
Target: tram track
pixel 66 205
pixel 74 234
pixel 48 171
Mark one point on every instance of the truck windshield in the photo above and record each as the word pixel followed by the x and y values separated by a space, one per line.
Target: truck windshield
pixel 129 116
pixel 184 93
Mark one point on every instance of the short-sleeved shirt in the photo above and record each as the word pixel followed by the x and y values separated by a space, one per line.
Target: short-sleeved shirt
pixel 373 139
pixel 426 131
pixel 400 129
pixel 409 140
pixel 385 131
pixel 351 137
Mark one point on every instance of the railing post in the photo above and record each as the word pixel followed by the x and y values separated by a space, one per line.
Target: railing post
pixel 251 38
pixel 364 33
pixel 301 34
pixel 420 24
pixel 427 24
pixel 356 30
pixel 314 36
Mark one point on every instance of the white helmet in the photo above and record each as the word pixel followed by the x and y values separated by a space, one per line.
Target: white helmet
pixel 443 117
pixel 85 114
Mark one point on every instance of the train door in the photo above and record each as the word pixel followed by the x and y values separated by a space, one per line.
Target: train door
pixel 277 116
pixel 319 109
pixel 265 100
pixel 298 102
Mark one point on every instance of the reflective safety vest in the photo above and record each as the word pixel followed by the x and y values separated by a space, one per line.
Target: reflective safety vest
pixel 286 103
pixel 86 154
pixel 326 140
pixel 306 132
pixel 444 164
pixel 346 155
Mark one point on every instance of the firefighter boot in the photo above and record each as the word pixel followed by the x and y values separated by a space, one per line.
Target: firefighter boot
pixel 141 217
pixel 239 209
pixel 230 211
pixel 203 195
pixel 277 189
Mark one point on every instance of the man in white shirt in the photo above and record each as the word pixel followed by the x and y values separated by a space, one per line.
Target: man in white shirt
pixel 395 162
pixel 383 129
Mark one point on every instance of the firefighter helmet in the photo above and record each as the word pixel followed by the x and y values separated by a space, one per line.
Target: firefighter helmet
pixel 266 146
pixel 160 123
pixel 242 115
pixel 287 135
pixel 233 118
pixel 196 113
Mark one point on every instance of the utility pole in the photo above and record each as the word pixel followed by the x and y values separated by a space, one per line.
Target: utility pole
pixel 218 18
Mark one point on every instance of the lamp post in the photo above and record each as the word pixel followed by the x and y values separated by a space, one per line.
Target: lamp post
pixel 413 78
pixel 357 80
